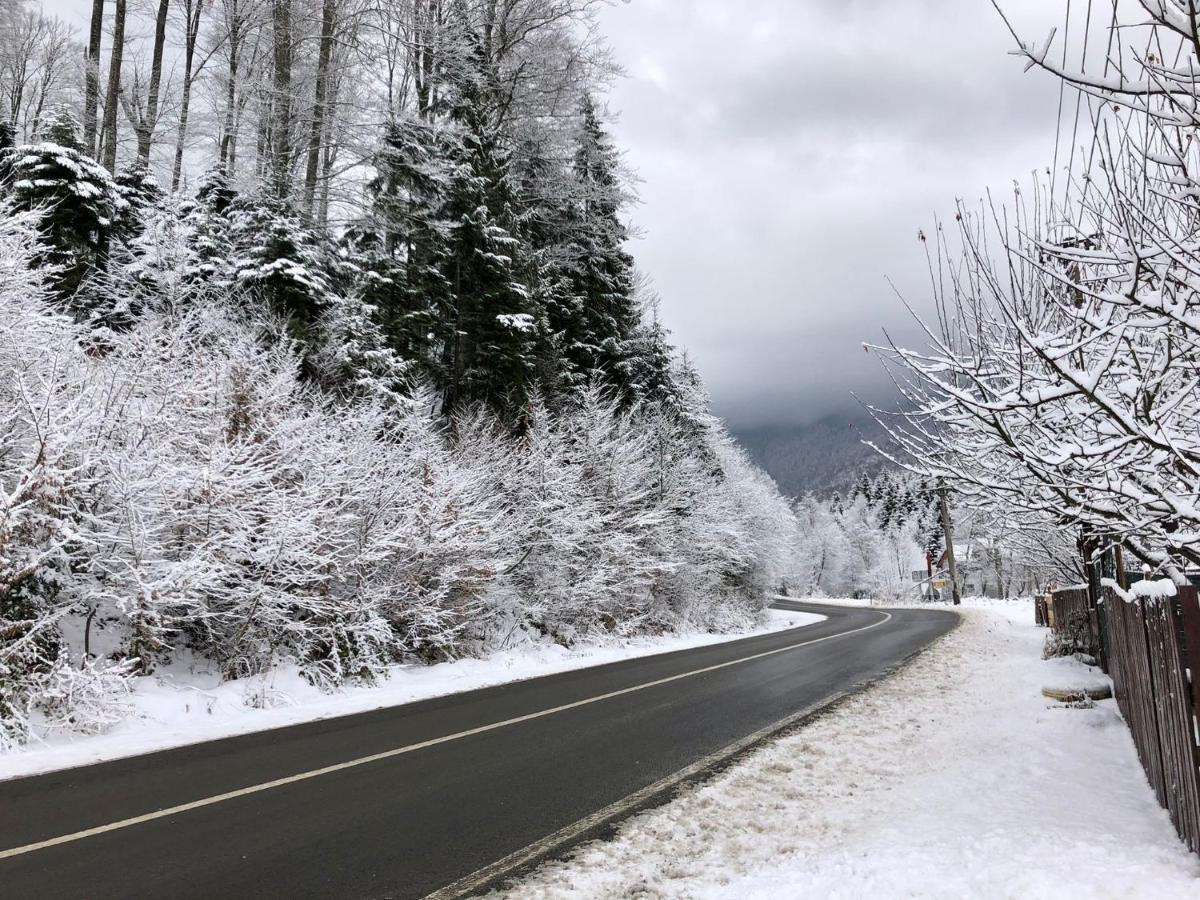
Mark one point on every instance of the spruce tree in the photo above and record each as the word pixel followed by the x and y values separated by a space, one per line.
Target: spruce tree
pixel 545 196
pixel 141 193
pixel 214 191
pixel 863 488
pixel 209 229
pixel 353 355
pixel 491 336
pixel 648 362
pixel 601 272
pixel 279 260
pixel 78 199
pixel 885 503
pixel 402 247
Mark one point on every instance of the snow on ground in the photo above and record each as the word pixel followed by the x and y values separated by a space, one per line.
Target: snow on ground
pixel 831 601
pixel 954 778
pixel 186 703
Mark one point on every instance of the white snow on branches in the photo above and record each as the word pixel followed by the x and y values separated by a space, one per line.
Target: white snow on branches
pixel 1059 380
pixel 177 488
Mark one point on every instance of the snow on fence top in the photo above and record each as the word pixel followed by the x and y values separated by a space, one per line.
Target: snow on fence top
pixel 1146 589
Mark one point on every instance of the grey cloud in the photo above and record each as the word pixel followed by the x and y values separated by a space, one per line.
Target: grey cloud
pixel 790 152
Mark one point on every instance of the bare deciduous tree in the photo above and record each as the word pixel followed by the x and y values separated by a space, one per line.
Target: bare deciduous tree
pixel 144 115
pixel 92 75
pixel 1060 378
pixel 35 68
pixel 108 132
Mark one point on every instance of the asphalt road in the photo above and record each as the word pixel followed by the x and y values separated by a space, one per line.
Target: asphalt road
pixel 435 804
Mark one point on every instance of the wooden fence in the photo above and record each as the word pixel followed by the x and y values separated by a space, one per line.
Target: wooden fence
pixel 1072 617
pixel 1153 656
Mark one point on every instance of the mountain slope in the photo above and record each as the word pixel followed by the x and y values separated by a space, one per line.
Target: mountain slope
pixel 821 456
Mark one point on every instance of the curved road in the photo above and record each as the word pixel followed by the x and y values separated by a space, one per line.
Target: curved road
pixel 452 791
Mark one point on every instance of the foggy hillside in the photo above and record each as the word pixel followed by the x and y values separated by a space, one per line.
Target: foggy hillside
pixel 821 456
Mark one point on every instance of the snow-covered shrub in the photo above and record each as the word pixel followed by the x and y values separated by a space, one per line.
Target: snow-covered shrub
pixel 624 515
pixel 88 697
pixel 584 521
pixel 185 484
pixel 45 477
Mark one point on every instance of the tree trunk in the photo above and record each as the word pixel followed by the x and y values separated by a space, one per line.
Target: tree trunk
pixel 281 101
pixel 145 131
pixel 108 137
pixel 329 155
pixel 326 168
pixel 233 24
pixel 948 532
pixel 16 93
pixel 428 24
pixel 192 24
pixel 236 137
pixel 91 96
pixel 227 139
pixel 489 29
pixel 320 101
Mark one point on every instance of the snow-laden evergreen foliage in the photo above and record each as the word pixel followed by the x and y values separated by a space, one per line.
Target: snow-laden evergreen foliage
pixel 189 488
pixel 481 249
pixel 78 198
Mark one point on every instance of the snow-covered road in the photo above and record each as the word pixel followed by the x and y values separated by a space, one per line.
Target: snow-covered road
pixel 952 779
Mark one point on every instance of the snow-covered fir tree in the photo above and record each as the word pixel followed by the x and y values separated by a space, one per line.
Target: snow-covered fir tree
pixel 79 199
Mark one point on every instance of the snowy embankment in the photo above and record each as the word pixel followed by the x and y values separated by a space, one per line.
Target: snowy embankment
pixel 833 601
pixel 953 778
pixel 188 703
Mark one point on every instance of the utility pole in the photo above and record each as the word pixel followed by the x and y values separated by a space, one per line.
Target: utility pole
pixel 948 533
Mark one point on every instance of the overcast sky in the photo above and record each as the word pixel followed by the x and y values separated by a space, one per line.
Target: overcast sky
pixel 790 150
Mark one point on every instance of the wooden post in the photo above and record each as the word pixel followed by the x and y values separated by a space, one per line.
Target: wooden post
pixel 948 533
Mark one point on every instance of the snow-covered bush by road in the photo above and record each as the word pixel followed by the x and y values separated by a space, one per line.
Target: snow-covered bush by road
pixel 963 781
pixel 179 485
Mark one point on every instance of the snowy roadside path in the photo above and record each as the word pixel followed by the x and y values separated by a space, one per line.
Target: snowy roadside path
pixel 954 778
pixel 179 705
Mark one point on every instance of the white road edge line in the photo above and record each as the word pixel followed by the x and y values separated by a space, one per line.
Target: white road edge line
pixel 398 751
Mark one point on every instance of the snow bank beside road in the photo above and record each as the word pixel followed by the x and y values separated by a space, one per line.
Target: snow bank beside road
pixel 952 779
pixel 187 702
pixel 833 601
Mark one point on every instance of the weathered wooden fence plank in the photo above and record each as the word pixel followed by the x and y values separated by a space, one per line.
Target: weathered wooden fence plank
pixel 1174 710
pixel 1133 676
pixel 1070 618
pixel 1154 661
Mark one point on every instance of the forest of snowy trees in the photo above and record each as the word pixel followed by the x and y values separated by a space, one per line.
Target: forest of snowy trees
pixel 884 539
pixel 868 542
pixel 320 345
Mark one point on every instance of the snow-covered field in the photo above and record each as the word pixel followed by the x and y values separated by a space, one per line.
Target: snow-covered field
pixel 187 703
pixel 955 778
